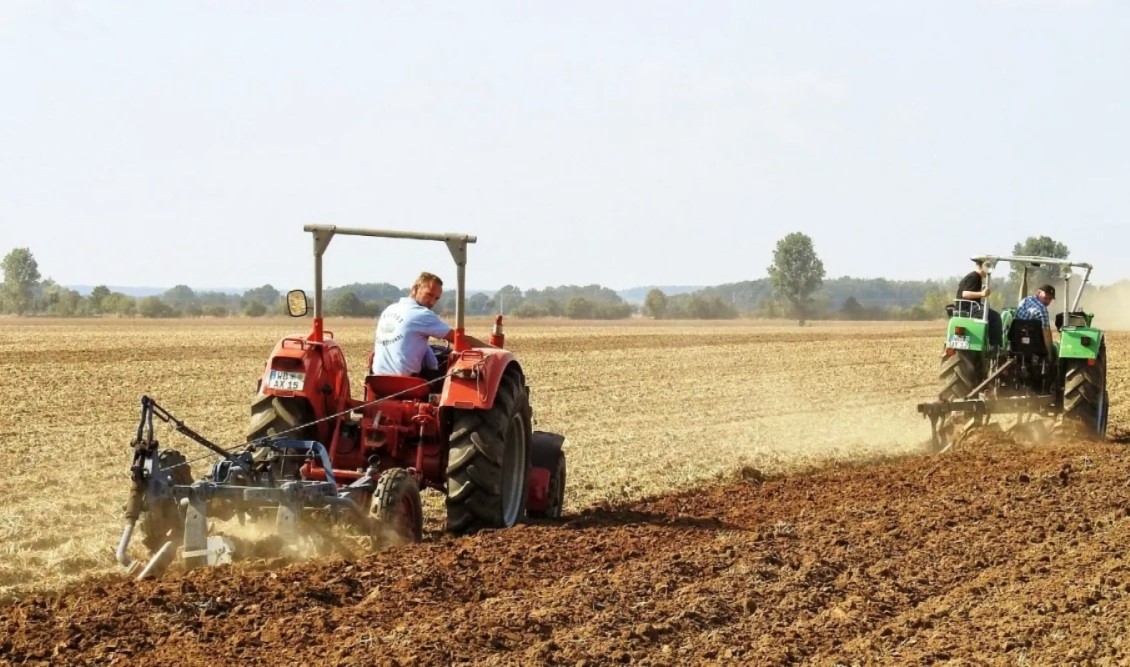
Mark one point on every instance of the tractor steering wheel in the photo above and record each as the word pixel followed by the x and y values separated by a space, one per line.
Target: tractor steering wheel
pixel 442 352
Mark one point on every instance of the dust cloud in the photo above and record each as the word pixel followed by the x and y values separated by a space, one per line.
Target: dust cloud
pixel 1111 306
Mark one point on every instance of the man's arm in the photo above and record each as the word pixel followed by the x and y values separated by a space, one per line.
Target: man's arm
pixel 474 342
pixel 968 285
pixel 1045 319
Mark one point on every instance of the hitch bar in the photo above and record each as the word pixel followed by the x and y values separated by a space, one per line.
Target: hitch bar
pixel 986 406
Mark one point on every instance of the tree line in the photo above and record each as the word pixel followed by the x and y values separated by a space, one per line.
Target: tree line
pixel 794 287
pixel 25 292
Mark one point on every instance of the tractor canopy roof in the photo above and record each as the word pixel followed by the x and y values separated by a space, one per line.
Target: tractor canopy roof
pixel 1026 262
pixel 1031 261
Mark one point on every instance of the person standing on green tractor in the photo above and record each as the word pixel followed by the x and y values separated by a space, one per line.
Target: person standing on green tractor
pixel 971 288
pixel 1035 307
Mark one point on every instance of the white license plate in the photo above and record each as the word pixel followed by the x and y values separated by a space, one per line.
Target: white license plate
pixel 286 380
pixel 959 342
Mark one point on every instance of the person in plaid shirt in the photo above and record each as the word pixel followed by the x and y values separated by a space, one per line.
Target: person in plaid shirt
pixel 1035 307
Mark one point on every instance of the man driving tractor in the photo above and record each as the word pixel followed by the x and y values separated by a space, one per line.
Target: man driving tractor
pixel 403 329
pixel 1035 307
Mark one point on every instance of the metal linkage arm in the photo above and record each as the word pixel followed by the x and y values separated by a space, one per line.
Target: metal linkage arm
pixel 149 408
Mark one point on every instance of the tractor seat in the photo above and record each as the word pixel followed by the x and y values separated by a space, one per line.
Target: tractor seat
pixel 382 386
pixel 1075 318
pixel 1027 337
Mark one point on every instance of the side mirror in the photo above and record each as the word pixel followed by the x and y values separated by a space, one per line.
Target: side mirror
pixel 296 303
pixel 1059 321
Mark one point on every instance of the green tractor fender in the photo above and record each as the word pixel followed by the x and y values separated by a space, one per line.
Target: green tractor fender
pixel 967 333
pixel 1080 343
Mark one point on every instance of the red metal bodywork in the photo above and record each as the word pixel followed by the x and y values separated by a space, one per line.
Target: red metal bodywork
pixel 326 389
pixel 537 499
pixel 398 422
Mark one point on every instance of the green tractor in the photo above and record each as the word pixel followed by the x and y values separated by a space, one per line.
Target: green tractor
pixel 1021 377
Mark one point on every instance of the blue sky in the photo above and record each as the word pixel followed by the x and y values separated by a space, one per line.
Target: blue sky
pixel 629 143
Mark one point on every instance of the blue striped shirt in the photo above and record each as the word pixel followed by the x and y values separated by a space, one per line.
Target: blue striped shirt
pixel 1032 309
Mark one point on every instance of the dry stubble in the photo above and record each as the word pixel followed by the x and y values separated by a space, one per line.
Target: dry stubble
pixel 645 408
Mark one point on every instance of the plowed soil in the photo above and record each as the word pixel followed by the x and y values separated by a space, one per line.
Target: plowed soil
pixel 1000 552
pixel 738 494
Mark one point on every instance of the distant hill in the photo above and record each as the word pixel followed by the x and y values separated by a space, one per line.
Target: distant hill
pixel 637 295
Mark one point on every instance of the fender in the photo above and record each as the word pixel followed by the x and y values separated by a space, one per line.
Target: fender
pixel 966 333
pixel 1080 343
pixel 475 377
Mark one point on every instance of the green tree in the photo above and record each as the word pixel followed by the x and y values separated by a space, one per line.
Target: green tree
pixel 119 304
pixel 179 296
pixel 266 294
pixel 529 309
pixel 796 272
pixel 1039 246
pixel 611 311
pixel 348 304
pixel 153 306
pixel 98 297
pixel 655 303
pixel 579 308
pixel 479 304
pixel 21 277
pixel 63 302
pixel 935 302
pixel 254 309
pixel 508 298
pixel 853 309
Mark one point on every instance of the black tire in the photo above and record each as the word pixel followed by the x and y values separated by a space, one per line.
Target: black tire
pixel 162 522
pixel 556 493
pixel 287 416
pixel 1084 395
pixel 959 375
pixel 488 462
pixel 396 510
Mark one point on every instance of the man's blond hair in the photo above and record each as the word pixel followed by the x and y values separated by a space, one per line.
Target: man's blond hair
pixel 426 280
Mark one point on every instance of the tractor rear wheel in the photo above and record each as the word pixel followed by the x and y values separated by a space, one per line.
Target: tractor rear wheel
pixel 162 522
pixel 281 415
pixel 959 375
pixel 488 462
pixel 1085 396
pixel 396 509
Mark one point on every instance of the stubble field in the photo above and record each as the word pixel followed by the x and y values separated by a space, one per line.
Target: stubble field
pixel 648 409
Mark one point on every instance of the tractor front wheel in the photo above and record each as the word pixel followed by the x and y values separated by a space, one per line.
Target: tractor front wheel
pixel 488 463
pixel 285 416
pixel 396 510
pixel 1085 396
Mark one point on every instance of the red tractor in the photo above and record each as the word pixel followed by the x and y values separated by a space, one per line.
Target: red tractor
pixel 316 451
